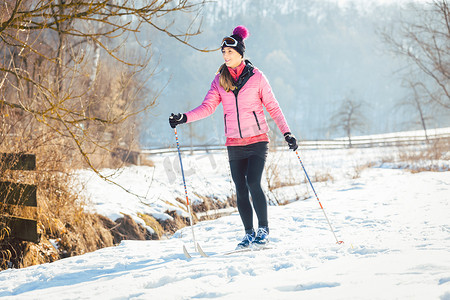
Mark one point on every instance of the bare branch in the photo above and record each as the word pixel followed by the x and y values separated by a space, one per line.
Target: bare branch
pixel 424 43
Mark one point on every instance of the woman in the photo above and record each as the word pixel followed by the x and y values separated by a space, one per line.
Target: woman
pixel 243 90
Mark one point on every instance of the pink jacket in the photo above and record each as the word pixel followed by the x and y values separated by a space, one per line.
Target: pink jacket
pixel 244 114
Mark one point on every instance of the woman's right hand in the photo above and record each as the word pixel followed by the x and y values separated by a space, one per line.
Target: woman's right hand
pixel 176 119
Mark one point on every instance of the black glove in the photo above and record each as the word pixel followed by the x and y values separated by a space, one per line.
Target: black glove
pixel 177 119
pixel 291 140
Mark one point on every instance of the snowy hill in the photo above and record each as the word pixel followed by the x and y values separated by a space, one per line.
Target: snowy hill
pixel 394 225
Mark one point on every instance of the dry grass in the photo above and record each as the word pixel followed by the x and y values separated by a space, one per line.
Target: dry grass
pixel 5 254
pixel 322 177
pixel 153 224
pixel 433 157
pixel 60 213
pixel 273 170
pixel 278 177
pixel 145 161
pixel 176 222
pixel 274 179
pixel 359 168
pixel 209 203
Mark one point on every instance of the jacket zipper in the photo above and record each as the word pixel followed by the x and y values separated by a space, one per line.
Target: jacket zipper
pixel 225 120
pixel 257 122
pixel 237 111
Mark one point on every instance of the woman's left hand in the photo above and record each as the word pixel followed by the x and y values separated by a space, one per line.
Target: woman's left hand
pixel 291 140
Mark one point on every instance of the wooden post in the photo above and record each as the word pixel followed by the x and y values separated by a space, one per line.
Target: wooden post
pixel 21 228
pixel 18 194
pixel 13 161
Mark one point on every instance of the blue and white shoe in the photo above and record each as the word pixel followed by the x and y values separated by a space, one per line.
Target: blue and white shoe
pixel 262 236
pixel 246 241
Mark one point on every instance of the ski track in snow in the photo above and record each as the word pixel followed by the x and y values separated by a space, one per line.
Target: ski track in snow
pixel 394 224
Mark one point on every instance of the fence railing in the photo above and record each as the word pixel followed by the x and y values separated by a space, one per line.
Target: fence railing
pixel 341 143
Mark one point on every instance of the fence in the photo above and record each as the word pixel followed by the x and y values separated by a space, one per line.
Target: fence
pixel 382 140
pixel 18 197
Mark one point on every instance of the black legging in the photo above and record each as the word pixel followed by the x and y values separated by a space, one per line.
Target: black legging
pixel 246 174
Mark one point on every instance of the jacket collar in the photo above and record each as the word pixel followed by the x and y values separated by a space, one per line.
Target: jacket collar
pixel 245 76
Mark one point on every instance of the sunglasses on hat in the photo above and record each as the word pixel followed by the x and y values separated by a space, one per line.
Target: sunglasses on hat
pixel 229 42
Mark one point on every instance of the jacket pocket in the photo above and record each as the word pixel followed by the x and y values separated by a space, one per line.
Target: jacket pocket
pixel 256 118
pixel 225 121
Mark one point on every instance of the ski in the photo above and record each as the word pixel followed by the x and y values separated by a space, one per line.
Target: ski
pixel 202 253
pixel 250 249
pixel 186 253
pixel 198 249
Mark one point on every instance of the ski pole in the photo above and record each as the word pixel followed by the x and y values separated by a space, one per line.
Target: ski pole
pixel 317 197
pixel 197 247
pixel 185 190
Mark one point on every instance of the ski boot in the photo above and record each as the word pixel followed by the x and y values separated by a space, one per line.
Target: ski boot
pixel 246 241
pixel 262 236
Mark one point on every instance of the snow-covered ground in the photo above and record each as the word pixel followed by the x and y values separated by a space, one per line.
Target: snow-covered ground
pixel 394 224
pixel 208 175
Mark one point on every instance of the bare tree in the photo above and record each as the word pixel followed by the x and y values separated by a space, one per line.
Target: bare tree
pixel 73 79
pixel 418 103
pixel 52 69
pixel 423 40
pixel 348 118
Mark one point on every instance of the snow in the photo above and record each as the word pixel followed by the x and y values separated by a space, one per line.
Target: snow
pixel 394 224
pixel 208 175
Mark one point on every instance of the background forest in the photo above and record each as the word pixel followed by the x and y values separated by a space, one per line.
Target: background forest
pixel 317 55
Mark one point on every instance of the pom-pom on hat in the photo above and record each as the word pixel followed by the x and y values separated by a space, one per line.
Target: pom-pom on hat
pixel 240 33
